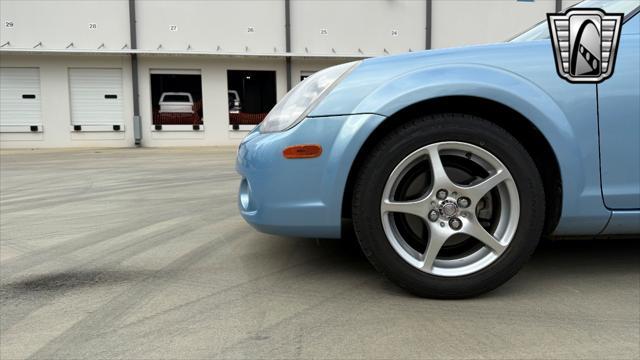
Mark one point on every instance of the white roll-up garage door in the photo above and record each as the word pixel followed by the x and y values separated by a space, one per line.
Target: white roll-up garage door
pixel 96 98
pixel 20 100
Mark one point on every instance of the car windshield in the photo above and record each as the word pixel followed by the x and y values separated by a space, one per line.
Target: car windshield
pixel 175 98
pixel 541 30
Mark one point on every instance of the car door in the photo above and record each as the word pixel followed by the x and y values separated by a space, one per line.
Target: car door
pixel 619 121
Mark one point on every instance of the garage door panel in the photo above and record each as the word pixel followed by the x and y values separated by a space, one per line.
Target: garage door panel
pixel 96 96
pixel 20 97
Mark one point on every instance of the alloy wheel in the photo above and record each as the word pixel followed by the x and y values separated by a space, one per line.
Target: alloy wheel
pixel 450 208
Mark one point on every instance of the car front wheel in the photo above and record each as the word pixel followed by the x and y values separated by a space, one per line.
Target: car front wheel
pixel 448 206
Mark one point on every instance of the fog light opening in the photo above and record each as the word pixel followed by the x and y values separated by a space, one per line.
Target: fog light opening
pixel 245 195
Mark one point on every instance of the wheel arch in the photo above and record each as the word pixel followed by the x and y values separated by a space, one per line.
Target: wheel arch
pixel 520 127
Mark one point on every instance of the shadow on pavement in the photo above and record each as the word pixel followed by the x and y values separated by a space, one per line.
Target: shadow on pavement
pixel 558 263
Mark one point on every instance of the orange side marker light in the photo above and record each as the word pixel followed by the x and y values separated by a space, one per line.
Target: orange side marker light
pixel 302 151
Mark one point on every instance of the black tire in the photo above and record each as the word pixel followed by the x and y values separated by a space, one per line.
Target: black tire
pixel 423 131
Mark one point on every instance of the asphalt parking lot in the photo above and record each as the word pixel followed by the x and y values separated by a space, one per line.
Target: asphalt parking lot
pixel 141 253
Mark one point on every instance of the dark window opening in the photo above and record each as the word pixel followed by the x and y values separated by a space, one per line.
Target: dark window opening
pixel 251 95
pixel 176 99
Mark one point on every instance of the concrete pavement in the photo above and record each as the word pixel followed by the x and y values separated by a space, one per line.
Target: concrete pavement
pixel 141 253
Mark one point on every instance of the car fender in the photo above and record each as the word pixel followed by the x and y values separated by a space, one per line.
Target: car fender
pixel 581 204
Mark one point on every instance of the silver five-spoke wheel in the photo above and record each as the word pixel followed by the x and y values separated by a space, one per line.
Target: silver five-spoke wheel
pixel 450 208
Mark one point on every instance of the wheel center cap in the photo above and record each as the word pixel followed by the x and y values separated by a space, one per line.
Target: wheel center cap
pixel 449 209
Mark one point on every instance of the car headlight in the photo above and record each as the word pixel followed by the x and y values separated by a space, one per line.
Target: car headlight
pixel 302 98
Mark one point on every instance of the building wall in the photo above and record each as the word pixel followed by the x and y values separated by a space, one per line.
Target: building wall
pixel 318 27
pixel 55 102
pixel 214 91
pixel 59 23
pixel 224 35
pixel 457 23
pixel 357 27
pixel 248 26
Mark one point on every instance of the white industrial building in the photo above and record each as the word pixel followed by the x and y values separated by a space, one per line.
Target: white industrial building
pixel 70 70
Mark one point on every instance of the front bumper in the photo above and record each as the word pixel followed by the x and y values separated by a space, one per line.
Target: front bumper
pixel 300 197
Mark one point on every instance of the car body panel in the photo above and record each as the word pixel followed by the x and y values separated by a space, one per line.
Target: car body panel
pixel 521 76
pixel 623 223
pixel 304 197
pixel 301 197
pixel 619 108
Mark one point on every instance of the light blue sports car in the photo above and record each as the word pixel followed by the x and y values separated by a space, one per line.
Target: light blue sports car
pixel 450 165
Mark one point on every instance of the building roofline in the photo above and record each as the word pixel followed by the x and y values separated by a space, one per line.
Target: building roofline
pixel 180 53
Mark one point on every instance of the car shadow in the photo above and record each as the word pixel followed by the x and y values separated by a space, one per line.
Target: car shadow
pixel 555 263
